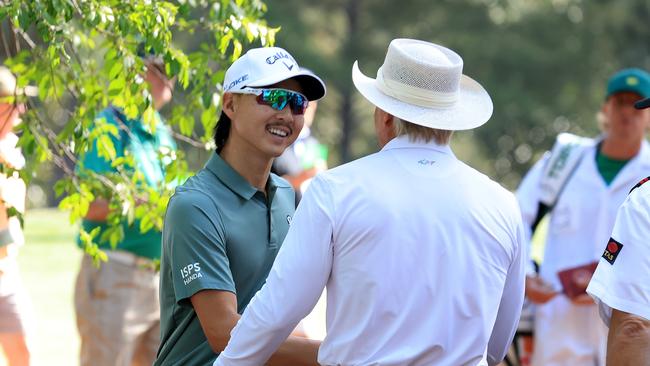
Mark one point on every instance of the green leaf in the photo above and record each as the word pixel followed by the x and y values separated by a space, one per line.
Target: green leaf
pixel 237 50
pixel 116 86
pixel 149 118
pixel 225 42
pixel 106 148
pixel 115 70
pixel 186 125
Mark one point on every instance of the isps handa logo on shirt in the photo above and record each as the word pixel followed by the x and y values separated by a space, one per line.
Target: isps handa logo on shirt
pixel 191 272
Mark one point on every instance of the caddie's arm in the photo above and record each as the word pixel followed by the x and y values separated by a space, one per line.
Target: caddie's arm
pixel 538 290
pixel 628 342
pixel 98 210
pixel 217 312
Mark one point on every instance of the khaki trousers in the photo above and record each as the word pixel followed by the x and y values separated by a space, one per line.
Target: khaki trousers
pixel 118 312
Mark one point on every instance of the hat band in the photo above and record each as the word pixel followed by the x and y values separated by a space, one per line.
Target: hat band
pixel 412 95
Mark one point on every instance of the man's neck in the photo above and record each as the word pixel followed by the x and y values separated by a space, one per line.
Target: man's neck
pixel 620 149
pixel 251 166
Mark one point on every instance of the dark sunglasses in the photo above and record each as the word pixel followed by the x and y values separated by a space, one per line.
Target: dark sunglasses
pixel 279 98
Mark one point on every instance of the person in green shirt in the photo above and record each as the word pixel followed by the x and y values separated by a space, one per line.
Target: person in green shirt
pixel 224 226
pixel 118 315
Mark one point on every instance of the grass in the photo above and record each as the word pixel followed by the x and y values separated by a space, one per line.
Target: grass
pixel 49 262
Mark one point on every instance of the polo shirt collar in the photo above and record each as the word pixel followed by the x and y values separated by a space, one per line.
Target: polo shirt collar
pixel 233 180
pixel 403 142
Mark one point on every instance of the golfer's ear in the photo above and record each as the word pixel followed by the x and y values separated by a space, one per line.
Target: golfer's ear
pixel 229 102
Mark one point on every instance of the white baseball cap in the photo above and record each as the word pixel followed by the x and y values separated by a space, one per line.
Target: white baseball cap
pixel 269 65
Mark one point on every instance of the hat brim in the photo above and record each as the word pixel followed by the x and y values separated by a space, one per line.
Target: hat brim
pixel 472 109
pixel 643 103
pixel 312 86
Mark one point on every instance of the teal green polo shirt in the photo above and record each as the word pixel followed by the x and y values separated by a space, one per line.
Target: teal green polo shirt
pixel 146 147
pixel 220 233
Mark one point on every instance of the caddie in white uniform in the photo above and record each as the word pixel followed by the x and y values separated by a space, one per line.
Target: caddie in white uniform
pixel 621 283
pixel 421 255
pixel 567 331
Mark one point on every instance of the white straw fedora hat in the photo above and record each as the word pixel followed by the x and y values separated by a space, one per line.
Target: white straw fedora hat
pixel 423 83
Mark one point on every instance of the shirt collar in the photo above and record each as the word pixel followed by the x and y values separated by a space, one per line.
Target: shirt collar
pixel 229 176
pixel 404 142
pixel 238 184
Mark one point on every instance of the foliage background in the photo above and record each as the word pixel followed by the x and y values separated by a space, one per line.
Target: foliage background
pixel 85 55
pixel 545 64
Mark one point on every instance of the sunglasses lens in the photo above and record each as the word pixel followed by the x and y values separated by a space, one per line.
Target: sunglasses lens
pixel 298 104
pixel 279 98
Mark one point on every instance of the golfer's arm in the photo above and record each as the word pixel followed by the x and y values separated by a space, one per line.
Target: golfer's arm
pixel 217 313
pixel 628 343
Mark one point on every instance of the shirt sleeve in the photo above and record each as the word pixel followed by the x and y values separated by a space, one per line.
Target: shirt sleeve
pixel 623 281
pixel 512 300
pixel 194 242
pixel 528 197
pixel 298 276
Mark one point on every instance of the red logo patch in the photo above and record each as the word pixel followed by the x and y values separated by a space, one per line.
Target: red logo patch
pixel 612 250
pixel 612 247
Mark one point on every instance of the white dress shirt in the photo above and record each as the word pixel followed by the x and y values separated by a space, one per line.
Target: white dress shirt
pixel 422 259
pixel 623 281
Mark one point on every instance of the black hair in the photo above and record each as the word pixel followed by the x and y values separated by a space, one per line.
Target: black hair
pixel 221 132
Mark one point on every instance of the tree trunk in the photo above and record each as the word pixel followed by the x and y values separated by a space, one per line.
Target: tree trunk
pixel 350 50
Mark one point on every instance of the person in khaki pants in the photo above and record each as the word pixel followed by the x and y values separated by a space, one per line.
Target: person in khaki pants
pixel 16 313
pixel 118 316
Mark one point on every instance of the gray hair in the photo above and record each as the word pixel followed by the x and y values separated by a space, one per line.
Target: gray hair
pixel 417 132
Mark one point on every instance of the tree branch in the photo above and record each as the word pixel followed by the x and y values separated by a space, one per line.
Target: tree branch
pixel 187 139
pixel 4 41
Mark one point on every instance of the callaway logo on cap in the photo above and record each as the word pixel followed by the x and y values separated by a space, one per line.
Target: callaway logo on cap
pixel 266 66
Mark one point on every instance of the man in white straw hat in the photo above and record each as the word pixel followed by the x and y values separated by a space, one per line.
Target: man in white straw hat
pixel 421 254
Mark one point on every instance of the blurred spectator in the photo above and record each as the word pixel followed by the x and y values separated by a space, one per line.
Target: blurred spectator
pixel 16 313
pixel 118 313
pixel 567 329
